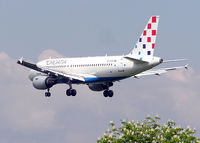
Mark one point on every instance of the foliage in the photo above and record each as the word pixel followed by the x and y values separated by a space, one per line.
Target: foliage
pixel 149 130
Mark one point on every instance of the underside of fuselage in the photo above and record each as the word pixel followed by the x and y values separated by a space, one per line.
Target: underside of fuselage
pixel 98 80
pixel 91 80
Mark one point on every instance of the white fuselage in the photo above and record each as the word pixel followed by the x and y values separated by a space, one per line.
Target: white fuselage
pixel 98 69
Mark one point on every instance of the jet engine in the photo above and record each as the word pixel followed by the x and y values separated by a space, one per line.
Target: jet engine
pixel 33 74
pixel 43 82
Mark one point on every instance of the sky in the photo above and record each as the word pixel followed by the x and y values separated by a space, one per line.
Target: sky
pixel 40 29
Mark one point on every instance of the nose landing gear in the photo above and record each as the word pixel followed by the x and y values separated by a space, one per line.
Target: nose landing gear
pixel 48 94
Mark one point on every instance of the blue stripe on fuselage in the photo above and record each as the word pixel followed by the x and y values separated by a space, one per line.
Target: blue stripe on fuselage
pixel 102 79
pixel 92 79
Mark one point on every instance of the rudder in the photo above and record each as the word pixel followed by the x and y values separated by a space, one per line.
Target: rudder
pixel 146 43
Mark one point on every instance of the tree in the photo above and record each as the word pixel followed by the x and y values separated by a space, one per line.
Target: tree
pixel 149 130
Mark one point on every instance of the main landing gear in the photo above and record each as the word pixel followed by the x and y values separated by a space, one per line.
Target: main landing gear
pixel 70 91
pixel 108 93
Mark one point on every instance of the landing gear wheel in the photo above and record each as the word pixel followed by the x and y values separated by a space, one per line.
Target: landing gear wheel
pixel 73 92
pixel 110 93
pixel 47 94
pixel 105 93
pixel 68 92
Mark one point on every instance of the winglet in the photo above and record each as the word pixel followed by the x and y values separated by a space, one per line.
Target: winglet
pixel 186 67
pixel 20 60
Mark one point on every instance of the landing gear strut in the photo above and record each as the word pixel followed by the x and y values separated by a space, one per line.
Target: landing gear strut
pixel 48 94
pixel 107 92
pixel 70 91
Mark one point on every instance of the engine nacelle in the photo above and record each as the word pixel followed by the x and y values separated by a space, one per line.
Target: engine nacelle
pixel 33 74
pixel 43 82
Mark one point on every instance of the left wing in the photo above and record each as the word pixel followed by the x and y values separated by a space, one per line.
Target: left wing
pixel 49 71
pixel 159 71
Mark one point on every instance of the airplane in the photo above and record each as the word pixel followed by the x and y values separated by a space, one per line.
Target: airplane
pixel 100 72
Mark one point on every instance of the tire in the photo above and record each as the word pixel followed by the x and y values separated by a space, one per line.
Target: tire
pixel 68 92
pixel 73 92
pixel 105 93
pixel 110 93
pixel 47 94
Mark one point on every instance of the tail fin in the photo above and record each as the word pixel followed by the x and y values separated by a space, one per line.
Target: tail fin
pixel 146 43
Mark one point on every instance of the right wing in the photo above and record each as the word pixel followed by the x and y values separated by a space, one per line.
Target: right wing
pixel 29 65
pixel 49 71
pixel 159 71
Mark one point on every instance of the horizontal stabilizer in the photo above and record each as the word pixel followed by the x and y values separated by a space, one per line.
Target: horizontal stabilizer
pixel 159 71
pixel 176 60
pixel 135 58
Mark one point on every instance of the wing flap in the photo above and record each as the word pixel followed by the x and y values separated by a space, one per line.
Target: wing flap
pixel 71 76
